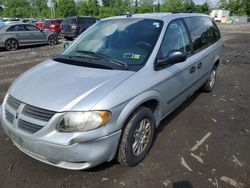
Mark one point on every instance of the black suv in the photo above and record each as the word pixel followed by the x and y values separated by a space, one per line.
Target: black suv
pixel 71 27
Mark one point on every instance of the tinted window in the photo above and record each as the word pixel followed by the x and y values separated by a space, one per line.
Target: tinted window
pixel 203 32
pixel 82 20
pixel 31 28
pixel 176 38
pixel 47 22
pixel 16 28
pixel 69 21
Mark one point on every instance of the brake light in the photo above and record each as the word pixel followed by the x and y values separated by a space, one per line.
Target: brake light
pixel 74 26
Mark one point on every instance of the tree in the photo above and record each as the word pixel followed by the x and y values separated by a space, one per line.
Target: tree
pixel 236 7
pixel 65 8
pixel 13 8
pixel 39 8
pixel 173 5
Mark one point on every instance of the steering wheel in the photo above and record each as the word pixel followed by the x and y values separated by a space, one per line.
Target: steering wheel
pixel 143 45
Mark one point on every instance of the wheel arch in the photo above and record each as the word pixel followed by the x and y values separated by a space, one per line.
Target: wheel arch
pixel 150 99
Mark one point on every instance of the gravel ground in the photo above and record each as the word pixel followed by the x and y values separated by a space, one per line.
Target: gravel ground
pixel 204 143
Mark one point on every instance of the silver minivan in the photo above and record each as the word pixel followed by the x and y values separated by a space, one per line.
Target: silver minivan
pixel 104 96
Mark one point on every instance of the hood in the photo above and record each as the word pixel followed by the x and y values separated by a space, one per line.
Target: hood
pixel 62 87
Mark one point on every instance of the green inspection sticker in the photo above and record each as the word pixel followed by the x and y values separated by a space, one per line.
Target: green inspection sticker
pixel 136 56
pixel 131 56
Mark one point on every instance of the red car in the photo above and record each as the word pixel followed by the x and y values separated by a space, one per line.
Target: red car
pixel 53 25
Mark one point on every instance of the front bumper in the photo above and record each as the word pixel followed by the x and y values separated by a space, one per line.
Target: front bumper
pixel 81 152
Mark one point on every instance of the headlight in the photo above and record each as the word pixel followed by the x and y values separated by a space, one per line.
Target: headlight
pixel 83 121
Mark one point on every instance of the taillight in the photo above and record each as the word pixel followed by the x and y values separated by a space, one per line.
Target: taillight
pixel 74 26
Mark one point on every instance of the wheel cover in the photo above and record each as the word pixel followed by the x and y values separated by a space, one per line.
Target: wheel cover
pixel 141 137
pixel 52 39
pixel 11 45
pixel 212 79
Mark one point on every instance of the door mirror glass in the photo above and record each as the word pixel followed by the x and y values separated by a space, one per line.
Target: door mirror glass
pixel 175 56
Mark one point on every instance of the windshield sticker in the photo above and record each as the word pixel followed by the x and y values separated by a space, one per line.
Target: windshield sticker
pixel 131 56
pixel 156 24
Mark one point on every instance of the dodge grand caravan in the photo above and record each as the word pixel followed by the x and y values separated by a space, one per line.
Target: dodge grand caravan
pixel 106 93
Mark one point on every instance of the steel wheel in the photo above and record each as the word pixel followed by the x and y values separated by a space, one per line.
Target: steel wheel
pixel 52 39
pixel 11 45
pixel 141 137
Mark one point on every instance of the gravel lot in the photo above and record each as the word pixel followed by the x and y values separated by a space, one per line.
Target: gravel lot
pixel 217 123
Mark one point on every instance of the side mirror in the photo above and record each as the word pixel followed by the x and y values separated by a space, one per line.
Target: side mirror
pixel 66 45
pixel 174 56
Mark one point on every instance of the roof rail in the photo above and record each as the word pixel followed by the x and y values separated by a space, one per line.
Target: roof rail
pixel 180 11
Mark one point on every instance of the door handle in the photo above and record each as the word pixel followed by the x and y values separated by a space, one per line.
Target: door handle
pixel 199 65
pixel 192 69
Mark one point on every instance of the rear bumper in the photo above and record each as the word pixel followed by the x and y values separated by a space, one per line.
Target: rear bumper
pixel 69 33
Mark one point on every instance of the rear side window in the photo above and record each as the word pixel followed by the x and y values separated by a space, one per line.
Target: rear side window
pixel 69 21
pixel 16 28
pixel 82 20
pixel 203 32
pixel 176 38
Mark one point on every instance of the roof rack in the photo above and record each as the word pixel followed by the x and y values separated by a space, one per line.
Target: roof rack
pixel 180 11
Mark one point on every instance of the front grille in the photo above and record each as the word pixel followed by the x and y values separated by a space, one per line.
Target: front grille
pixel 9 116
pixel 13 103
pixel 28 127
pixel 38 113
pixel 30 119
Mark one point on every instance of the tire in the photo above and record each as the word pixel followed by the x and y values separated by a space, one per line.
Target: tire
pixel 141 125
pixel 52 40
pixel 68 38
pixel 209 85
pixel 11 45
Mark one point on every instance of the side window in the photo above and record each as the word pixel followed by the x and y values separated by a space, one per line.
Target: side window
pixel 176 38
pixel 197 31
pixel 203 32
pixel 16 28
pixel 31 28
pixel 213 33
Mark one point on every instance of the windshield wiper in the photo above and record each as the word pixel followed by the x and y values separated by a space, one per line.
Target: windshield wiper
pixel 103 56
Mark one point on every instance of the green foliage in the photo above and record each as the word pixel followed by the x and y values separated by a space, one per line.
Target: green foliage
pixel 236 7
pixel 65 8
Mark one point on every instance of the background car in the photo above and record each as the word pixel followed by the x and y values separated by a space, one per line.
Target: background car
pixel 53 25
pixel 14 35
pixel 71 27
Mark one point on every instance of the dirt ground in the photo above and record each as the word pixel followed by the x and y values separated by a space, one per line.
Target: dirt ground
pixel 217 123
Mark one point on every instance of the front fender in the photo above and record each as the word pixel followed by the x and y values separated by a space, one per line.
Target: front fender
pixel 137 101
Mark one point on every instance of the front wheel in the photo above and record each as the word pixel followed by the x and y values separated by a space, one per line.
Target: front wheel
pixel 209 85
pixel 137 137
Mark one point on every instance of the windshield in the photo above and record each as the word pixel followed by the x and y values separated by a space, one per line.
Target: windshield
pixel 2 26
pixel 128 41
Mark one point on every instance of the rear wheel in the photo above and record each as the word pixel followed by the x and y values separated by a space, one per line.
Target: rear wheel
pixel 11 45
pixel 137 137
pixel 68 38
pixel 52 40
pixel 209 85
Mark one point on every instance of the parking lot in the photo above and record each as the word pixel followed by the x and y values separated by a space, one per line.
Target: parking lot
pixel 204 143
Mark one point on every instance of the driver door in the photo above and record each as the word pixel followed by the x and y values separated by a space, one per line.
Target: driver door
pixel 177 79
